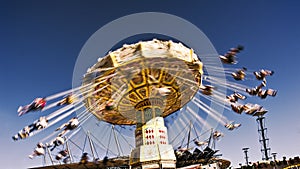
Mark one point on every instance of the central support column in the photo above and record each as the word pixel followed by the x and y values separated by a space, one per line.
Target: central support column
pixel 151 139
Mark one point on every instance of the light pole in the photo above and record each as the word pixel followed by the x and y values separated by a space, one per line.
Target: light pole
pixel 274 156
pixel 246 155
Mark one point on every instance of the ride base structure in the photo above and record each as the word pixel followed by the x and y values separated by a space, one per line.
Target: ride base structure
pixel 152 147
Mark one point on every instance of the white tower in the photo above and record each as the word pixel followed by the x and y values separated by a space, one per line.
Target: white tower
pixel 152 147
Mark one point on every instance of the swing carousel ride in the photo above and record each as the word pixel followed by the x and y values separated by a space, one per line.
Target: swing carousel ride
pixel 153 94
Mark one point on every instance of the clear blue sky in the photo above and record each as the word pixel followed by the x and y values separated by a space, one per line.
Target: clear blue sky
pixel 40 41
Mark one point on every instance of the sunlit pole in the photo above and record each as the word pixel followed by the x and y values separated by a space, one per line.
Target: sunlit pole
pixel 274 156
pixel 246 155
